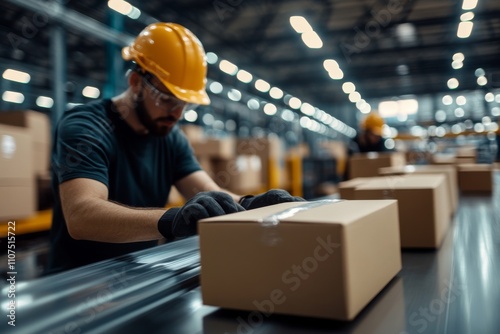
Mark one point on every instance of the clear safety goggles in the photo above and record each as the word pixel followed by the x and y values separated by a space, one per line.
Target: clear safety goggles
pixel 164 99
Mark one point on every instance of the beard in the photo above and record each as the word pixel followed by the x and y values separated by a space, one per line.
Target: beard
pixel 154 126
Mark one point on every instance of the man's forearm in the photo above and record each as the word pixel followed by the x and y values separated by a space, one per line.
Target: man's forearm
pixel 105 221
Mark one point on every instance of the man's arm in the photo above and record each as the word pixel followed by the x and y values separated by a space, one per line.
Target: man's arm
pixel 91 216
pixel 200 181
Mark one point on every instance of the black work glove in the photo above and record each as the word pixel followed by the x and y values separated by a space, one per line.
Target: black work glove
pixel 274 196
pixel 182 222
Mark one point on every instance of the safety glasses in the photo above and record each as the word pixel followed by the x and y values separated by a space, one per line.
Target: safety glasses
pixel 163 99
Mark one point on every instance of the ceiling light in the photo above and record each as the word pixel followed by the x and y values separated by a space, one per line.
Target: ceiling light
pixel 228 67
pixel 348 87
pixel 91 92
pixel 312 40
pixel 294 103
pixel 13 97
pixel 461 100
pixel 276 93
pixel 16 76
pixel 244 76
pixel 453 83
pixel 402 69
pixel 270 109
pixel 44 102
pixel 481 81
pixel 262 86
pixel 191 115
pixel 479 72
pixel 253 104
pixel 354 97
pixel 234 94
pixel 336 74
pixel 467 16
pixel 464 29
pixel 459 56
pixel 212 58
pixel 307 109
pixel 447 100
pixel 469 4
pixel 215 87
pixel 330 65
pixel 457 64
pixel 300 24
pixel 489 97
pixel 459 112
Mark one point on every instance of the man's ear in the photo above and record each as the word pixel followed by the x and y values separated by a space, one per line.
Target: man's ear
pixel 134 81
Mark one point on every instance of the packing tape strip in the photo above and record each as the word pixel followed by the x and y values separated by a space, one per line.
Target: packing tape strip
pixel 274 219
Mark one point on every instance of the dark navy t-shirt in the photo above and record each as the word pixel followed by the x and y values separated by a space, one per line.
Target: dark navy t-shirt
pixel 92 141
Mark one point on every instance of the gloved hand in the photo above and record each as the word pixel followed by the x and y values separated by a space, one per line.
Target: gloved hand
pixel 274 196
pixel 182 222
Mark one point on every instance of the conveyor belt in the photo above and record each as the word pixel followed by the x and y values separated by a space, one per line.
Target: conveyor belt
pixel 453 290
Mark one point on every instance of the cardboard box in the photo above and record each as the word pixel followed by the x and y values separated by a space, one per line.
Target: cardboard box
pixel 38 125
pixel 17 181
pixel 443 159
pixel 423 206
pixel 449 170
pixel 368 164
pixel 346 188
pixel 270 152
pixel 240 175
pixel 475 178
pixel 215 148
pixel 327 261
pixel 194 133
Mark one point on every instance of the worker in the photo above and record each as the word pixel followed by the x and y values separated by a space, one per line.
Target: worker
pixel 370 138
pixel 115 160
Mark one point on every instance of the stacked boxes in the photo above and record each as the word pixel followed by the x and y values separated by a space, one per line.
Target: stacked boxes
pixel 368 164
pixel 448 170
pixel 423 204
pixel 323 261
pixel 475 178
pixel 17 181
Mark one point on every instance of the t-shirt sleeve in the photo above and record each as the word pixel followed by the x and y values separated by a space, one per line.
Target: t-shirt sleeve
pixel 186 162
pixel 80 148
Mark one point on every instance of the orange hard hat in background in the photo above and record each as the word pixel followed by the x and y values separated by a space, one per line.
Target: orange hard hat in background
pixel 175 56
pixel 374 123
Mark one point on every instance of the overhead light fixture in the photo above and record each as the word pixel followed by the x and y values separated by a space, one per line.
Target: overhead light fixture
pixel 244 76
pixel 234 94
pixel 459 56
pixel 13 97
pixel 91 92
pixel 270 109
pixel 354 97
pixel 262 86
pixel 457 64
pixel 453 83
pixel 469 4
pixel 482 81
pixel 44 102
pixel 307 109
pixel 300 24
pixel 479 72
pixel 211 58
pixel 312 40
pixel 294 103
pixel 215 87
pixel 464 29
pixel 447 100
pixel 191 115
pixel 467 16
pixel 17 76
pixel 348 87
pixel 228 67
pixel 276 93
pixel 124 8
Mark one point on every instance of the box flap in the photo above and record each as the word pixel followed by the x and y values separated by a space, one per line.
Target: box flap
pixel 405 181
pixel 341 212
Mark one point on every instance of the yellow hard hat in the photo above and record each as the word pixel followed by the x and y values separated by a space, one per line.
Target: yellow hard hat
pixel 374 123
pixel 175 56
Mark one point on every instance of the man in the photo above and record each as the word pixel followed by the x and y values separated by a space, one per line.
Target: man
pixel 114 161
pixel 370 139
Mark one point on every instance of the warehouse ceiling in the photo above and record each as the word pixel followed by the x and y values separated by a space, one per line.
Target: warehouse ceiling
pixel 385 47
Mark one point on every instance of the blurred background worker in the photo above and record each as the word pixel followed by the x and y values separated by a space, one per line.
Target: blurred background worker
pixel 369 139
pixel 114 161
